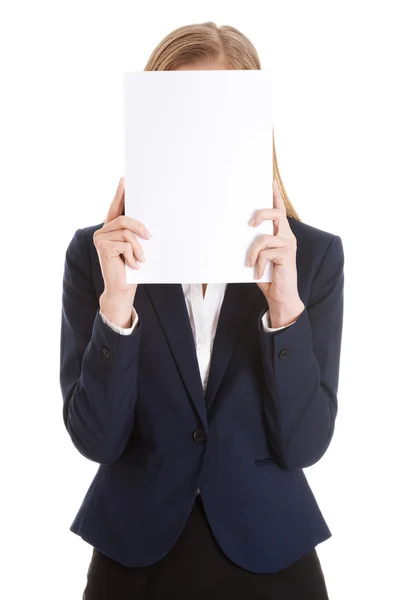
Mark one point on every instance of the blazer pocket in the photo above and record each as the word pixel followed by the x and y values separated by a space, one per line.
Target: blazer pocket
pixel 136 453
pixel 264 461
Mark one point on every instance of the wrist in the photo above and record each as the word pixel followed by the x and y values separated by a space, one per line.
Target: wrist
pixel 117 309
pixel 281 316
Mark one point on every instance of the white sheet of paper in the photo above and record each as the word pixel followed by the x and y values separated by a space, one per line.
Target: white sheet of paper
pixel 198 163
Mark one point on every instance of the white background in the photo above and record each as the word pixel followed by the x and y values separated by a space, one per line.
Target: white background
pixel 337 135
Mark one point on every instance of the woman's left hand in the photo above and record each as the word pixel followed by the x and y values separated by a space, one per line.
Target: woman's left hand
pixel 282 294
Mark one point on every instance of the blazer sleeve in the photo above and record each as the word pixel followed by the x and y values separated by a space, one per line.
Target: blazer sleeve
pixel 98 366
pixel 301 368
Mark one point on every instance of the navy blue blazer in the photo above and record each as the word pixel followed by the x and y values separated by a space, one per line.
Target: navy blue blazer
pixel 135 404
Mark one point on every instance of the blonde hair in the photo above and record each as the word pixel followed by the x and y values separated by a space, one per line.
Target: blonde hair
pixel 204 41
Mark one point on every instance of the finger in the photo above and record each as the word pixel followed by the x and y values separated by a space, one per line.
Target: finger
pixel 260 267
pixel 262 242
pixel 282 225
pixel 277 196
pixel 267 214
pixel 123 235
pixel 117 205
pixel 111 249
pixel 129 257
pixel 124 222
pixel 277 216
pixel 278 211
pixel 276 255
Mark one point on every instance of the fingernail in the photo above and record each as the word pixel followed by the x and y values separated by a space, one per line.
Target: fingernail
pixel 252 221
pixel 148 233
pixel 142 257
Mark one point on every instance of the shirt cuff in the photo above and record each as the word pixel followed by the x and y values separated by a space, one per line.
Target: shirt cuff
pixel 122 330
pixel 266 324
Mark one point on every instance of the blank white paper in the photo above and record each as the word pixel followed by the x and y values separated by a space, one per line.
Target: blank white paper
pixel 198 163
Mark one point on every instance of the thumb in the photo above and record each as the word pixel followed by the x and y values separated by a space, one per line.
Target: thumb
pixel 278 201
pixel 117 205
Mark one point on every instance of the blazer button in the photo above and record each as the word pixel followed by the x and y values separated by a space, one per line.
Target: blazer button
pixel 106 353
pixel 283 354
pixel 199 436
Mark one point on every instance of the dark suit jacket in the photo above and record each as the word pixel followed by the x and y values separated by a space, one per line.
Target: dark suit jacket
pixel 135 404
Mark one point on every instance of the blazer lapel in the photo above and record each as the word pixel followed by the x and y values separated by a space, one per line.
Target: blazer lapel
pixel 169 303
pixel 239 301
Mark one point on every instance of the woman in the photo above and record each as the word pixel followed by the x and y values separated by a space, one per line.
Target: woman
pixel 200 489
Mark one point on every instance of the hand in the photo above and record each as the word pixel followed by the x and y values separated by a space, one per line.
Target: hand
pixel 281 293
pixel 116 243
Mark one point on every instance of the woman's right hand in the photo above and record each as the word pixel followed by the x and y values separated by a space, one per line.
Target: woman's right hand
pixel 116 243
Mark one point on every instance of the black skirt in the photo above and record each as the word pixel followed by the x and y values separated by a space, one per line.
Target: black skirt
pixel 196 568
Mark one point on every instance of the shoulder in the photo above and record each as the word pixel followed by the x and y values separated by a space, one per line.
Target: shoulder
pixel 320 259
pixel 81 253
pixel 315 245
pixel 82 238
pixel 86 233
pixel 310 236
pixel 82 266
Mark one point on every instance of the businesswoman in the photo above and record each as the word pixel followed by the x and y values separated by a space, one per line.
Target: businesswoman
pixel 202 404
